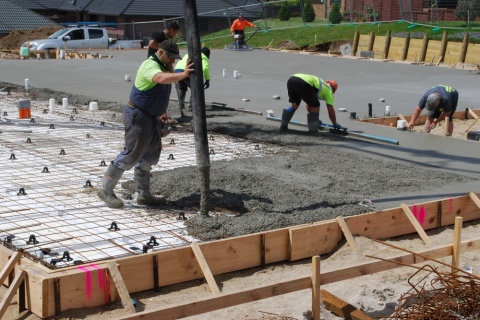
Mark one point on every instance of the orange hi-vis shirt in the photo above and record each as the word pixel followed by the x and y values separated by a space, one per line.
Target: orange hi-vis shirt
pixel 240 25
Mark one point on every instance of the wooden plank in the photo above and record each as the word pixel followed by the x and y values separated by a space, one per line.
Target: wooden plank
pixel 120 285
pixel 402 117
pixel 224 300
pixel 316 296
pixel 4 304
pixel 12 262
pixel 342 308
pixel 416 225
pixel 457 240
pixel 414 49
pixel 473 114
pixel 473 53
pixel 311 240
pixel 239 297
pixel 474 198
pixel 452 54
pixel 205 268
pixel 346 232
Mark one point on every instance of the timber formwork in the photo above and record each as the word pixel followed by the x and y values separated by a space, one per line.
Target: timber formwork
pixel 48 292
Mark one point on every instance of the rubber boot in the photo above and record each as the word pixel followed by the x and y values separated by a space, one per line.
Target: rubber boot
pixel 286 117
pixel 142 183
pixel 110 180
pixel 313 120
pixel 181 98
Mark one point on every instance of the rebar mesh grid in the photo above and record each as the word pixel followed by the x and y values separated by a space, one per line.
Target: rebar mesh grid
pixel 50 167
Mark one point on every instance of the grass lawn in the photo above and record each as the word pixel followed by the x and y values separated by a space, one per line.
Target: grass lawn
pixel 319 31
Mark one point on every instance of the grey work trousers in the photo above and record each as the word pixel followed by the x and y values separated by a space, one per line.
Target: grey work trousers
pixel 143 143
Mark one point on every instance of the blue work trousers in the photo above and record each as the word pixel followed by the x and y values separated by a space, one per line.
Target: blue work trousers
pixel 143 143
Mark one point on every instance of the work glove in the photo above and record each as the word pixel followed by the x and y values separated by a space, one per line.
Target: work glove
pixel 337 126
pixel 207 84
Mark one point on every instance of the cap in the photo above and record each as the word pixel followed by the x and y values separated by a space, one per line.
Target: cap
pixel 241 14
pixel 432 101
pixel 173 26
pixel 333 84
pixel 171 48
pixel 206 52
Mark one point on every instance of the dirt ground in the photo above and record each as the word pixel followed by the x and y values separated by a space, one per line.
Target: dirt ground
pixel 311 179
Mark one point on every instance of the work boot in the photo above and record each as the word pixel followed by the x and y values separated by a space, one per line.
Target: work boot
pixel 286 117
pixel 313 120
pixel 181 98
pixel 110 180
pixel 142 183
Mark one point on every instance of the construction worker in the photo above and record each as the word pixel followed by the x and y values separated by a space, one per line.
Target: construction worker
pixel 158 37
pixel 184 84
pixel 440 102
pixel 142 116
pixel 311 90
pixel 238 30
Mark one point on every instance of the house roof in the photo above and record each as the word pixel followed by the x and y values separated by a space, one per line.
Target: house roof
pixel 74 5
pixel 160 8
pixel 13 17
pixel 109 7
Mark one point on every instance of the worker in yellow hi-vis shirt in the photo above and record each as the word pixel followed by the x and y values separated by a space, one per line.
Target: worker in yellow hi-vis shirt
pixel 310 89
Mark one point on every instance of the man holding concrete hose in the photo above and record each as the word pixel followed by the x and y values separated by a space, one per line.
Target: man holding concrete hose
pixel 310 89
pixel 142 118
pixel 440 102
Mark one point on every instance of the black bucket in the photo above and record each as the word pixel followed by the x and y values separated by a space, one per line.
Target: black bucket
pixel 353 115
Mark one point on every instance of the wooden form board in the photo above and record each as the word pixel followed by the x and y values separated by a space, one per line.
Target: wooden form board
pixel 396 48
pixel 386 121
pixel 317 239
pixel 363 42
pixel 191 308
pixel 179 264
pixel 379 47
pixel 473 53
pixel 414 49
pixel 452 54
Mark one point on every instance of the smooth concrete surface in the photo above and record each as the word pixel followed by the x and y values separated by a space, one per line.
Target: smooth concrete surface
pixel 265 73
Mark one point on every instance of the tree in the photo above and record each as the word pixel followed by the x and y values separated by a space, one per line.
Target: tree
pixel 468 10
pixel 308 12
pixel 335 16
pixel 284 13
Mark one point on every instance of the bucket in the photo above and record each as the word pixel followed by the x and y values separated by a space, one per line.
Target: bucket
pixel 224 73
pixel 93 106
pixel 236 74
pixel 65 103
pixel 387 110
pixel 353 115
pixel 62 54
pixel 52 105
pixel 401 124
pixel 24 52
pixel 27 84
pixel 128 78
pixel 24 111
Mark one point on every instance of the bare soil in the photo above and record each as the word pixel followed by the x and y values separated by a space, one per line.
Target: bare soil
pixel 15 39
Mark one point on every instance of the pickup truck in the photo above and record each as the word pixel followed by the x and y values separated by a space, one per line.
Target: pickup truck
pixel 79 38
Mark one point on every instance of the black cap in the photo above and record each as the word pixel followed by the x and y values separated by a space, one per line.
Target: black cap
pixel 206 52
pixel 171 48
pixel 241 14
pixel 173 26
